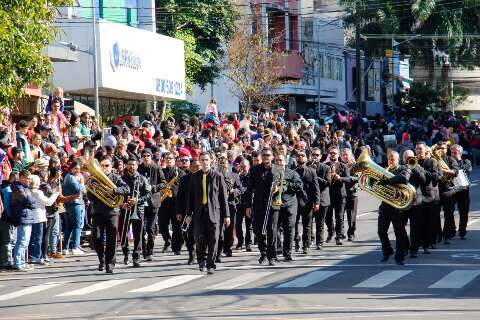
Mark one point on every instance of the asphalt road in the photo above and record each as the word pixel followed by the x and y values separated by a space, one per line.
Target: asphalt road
pixel 339 282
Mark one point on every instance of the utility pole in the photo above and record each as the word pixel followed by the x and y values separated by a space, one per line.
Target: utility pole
pixel 357 58
pixel 95 66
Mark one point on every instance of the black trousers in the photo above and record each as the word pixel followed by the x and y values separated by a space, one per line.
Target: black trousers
pixel 229 232
pixel 351 210
pixel 151 215
pixel 434 223
pixel 305 213
pixel 418 216
pixel 206 235
pixel 320 224
pixel 167 215
pixel 462 200
pixel 387 216
pixel 247 239
pixel 137 230
pixel 449 228
pixel 337 207
pixel 189 239
pixel 288 217
pixel 105 235
pixel 267 244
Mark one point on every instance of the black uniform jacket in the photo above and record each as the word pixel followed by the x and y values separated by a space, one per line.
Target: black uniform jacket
pixel 324 179
pixel 310 193
pixel 144 190
pixel 155 176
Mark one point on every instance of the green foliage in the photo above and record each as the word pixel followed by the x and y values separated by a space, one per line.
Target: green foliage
pixel 25 29
pixel 177 108
pixel 446 21
pixel 205 26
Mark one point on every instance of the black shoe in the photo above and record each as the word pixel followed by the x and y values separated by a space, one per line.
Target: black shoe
pixel 338 242
pixel 210 271
pixel 238 247
pixel 125 260
pixel 413 255
pixel 297 247
pixel 351 238
pixel 262 259
pixel 385 258
pixel 248 249
pixel 149 257
pixel 136 264
pixel 463 238
pixel 343 237
pixel 446 242
pixel 201 266
pixel 101 266
pixel 271 262
pixel 329 237
pixel 228 253
pixel 190 259
pixel 426 251
pixel 177 253
pixel 218 260
pixel 399 262
pixel 165 247
pixel 319 247
pixel 288 258
pixel 109 270
pixel 305 251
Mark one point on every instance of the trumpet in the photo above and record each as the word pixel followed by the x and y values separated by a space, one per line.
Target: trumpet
pixel 411 162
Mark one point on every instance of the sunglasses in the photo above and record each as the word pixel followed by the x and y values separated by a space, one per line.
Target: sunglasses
pixel 146 155
pixel 105 165
pixel 184 160
pixel 266 155
pixel 315 155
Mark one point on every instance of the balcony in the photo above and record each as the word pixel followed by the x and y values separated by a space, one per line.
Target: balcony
pixel 289 65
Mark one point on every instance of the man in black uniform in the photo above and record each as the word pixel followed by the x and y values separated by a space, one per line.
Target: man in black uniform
pixel 340 176
pixel 155 176
pixel 462 196
pixel 105 219
pixel 208 204
pixel 447 192
pixel 182 204
pixel 134 206
pixel 292 184
pixel 241 239
pixel 308 201
pixel 418 234
pixel 259 187
pixel 430 201
pixel 168 213
pixel 324 177
pixel 389 215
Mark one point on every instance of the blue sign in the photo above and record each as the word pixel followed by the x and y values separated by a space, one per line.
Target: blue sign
pixel 169 87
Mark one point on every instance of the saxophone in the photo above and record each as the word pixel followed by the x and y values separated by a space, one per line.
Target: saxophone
pixel 279 181
pixel 167 190
pixel 438 155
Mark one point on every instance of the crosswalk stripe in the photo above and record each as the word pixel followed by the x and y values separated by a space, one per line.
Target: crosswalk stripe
pixel 95 287
pixel 168 283
pixel 382 279
pixel 308 279
pixel 455 279
pixel 239 281
pixel 26 291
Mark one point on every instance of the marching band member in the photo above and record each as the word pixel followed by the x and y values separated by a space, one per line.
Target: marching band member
pixel 207 202
pixel 105 219
pixel 462 197
pixel 389 215
pixel 308 201
pixel 244 202
pixel 132 210
pixel 340 176
pixel 149 169
pixel 351 201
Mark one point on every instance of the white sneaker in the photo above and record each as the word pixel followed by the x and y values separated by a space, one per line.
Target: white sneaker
pixel 65 252
pixel 77 252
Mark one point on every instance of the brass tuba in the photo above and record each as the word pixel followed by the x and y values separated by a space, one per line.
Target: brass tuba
pixel 400 196
pixel 99 185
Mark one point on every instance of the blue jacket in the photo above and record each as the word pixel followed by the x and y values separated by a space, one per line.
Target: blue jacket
pixel 22 202
pixel 72 186
pixel 6 190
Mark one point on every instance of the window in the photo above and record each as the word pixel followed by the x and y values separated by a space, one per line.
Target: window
pixel 320 66
pixel 339 70
pixel 308 29
pixel 330 67
pixel 129 17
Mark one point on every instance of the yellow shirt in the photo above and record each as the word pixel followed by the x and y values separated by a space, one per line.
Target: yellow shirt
pixel 204 189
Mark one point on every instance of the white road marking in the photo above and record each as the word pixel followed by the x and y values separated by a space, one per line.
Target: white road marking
pixel 382 279
pixel 472 222
pixel 95 287
pixel 456 279
pixel 309 279
pixel 239 281
pixel 26 291
pixel 366 214
pixel 168 283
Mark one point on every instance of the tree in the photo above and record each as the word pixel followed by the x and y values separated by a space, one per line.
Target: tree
pixel 26 28
pixel 205 26
pixel 445 23
pixel 252 67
